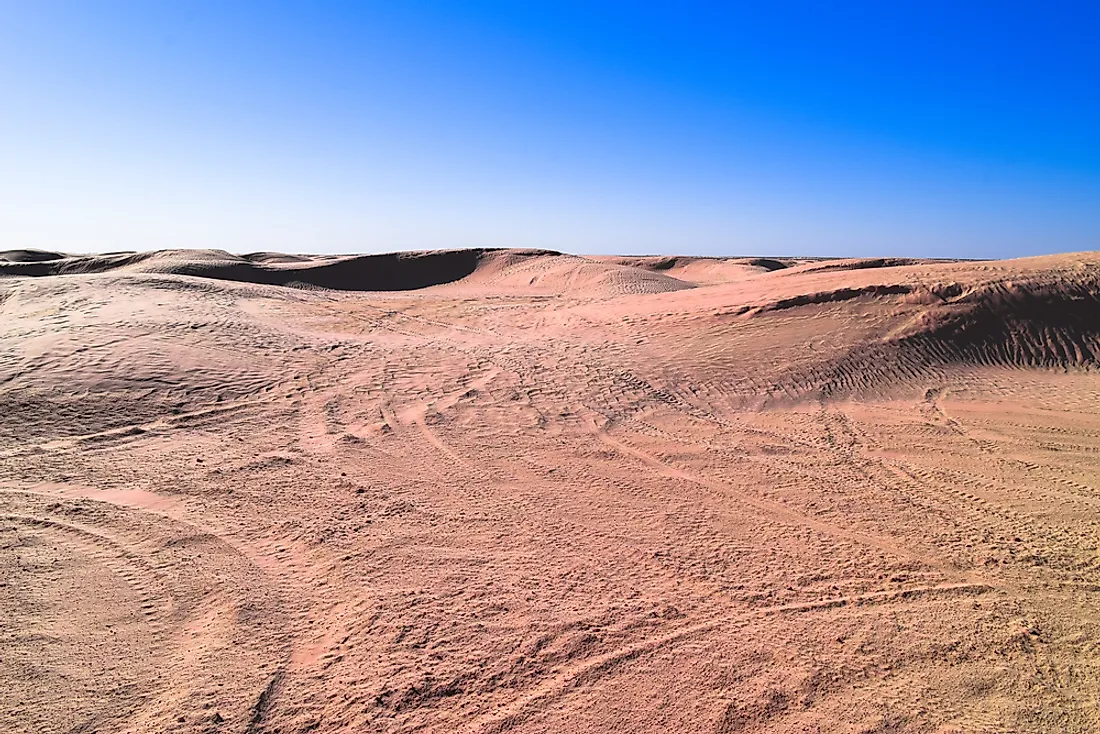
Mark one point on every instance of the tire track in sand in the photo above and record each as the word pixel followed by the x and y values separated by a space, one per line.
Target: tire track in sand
pixel 593 667
pixel 217 620
pixel 776 510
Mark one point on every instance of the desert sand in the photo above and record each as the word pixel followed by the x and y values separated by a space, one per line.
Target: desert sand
pixel 524 491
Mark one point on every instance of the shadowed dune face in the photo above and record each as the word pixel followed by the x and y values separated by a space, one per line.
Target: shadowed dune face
pixel 29 256
pixel 391 272
pixel 525 491
pixel 394 272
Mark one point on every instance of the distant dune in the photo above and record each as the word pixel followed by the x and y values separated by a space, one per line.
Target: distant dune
pixel 400 271
pixel 1039 312
pixel 29 256
pixel 506 269
pixel 525 491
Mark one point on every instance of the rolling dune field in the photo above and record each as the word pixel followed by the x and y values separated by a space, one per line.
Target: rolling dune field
pixel 521 491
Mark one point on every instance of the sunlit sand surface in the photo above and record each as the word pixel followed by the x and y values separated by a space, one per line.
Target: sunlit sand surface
pixel 490 491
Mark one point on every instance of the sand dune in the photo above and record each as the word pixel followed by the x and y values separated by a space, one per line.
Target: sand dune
pixel 29 256
pixel 502 270
pixel 397 271
pixel 526 491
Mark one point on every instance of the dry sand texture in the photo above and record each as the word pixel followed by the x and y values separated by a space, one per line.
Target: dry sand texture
pixel 492 491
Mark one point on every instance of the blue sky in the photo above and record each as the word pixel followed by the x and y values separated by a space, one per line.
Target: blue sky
pixel 939 129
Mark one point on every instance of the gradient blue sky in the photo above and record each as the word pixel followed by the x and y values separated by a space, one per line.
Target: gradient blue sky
pixel 940 129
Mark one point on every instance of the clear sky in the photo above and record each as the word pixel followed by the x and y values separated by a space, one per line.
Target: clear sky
pixel 940 129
